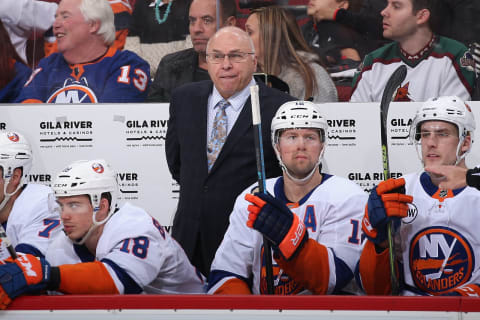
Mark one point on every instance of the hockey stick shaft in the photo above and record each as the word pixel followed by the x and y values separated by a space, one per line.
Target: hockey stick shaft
pixel 8 244
pixel 391 87
pixel 257 137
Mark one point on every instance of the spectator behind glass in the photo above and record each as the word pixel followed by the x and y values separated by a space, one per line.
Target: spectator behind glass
pixel 87 68
pixel 14 73
pixel 336 44
pixel 190 65
pixel 436 65
pixel 281 51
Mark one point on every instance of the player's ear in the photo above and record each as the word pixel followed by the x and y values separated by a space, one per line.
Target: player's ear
pixel 103 210
pixel 17 175
pixel 466 145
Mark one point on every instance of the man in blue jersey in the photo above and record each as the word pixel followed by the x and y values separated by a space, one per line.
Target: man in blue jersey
pixel 87 68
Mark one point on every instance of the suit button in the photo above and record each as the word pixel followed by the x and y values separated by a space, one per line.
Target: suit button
pixel 205 189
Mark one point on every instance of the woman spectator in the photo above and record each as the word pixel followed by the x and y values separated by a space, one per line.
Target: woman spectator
pixel 282 52
pixel 13 71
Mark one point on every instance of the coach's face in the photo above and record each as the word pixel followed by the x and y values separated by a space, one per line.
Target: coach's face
pixel 230 76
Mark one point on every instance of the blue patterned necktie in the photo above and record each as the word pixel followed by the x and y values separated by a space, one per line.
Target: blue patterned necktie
pixel 219 133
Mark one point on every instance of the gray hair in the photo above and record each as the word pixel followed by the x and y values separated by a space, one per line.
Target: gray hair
pixel 101 11
pixel 235 31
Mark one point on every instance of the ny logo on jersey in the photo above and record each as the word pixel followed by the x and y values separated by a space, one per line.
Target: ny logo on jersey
pixel 440 259
pixel 73 92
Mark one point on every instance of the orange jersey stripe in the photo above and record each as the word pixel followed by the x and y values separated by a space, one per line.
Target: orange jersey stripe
pixel 233 286
pixel 374 270
pixel 309 267
pixel 86 278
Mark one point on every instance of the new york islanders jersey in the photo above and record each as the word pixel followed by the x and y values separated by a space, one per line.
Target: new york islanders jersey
pixel 437 243
pixel 118 76
pixel 443 67
pixel 439 240
pixel 331 212
pixel 31 225
pixel 138 253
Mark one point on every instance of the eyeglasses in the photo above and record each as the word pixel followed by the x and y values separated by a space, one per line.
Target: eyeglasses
pixel 234 57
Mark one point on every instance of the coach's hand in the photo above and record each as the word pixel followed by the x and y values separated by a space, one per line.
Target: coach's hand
pixel 386 202
pixel 26 274
pixel 276 222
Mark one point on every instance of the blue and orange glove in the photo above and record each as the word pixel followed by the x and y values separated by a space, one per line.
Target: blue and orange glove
pixel 277 223
pixel 386 202
pixel 26 274
pixel 469 290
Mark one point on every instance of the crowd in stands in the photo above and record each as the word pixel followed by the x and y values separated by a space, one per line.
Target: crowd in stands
pixel 340 37
pixel 226 230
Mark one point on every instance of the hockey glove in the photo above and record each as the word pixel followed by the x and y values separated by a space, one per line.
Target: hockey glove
pixel 277 223
pixel 473 177
pixel 386 202
pixel 26 274
pixel 469 290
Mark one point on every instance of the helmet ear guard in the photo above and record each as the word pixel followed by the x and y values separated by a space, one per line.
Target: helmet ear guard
pixel 92 178
pixel 15 152
pixel 450 109
pixel 298 115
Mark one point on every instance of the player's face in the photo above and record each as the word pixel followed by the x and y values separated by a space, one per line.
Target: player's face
pixel 70 27
pixel 299 150
pixel 252 27
pixel 76 214
pixel 202 23
pixel 231 77
pixel 439 143
pixel 12 184
pixel 399 21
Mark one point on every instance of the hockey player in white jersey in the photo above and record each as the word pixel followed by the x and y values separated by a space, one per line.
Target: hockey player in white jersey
pixel 437 238
pixel 311 218
pixel 24 212
pixel 105 248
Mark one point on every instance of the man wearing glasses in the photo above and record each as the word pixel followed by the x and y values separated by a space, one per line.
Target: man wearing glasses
pixel 210 147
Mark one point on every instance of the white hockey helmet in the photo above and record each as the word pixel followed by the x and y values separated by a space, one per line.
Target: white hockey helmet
pixel 298 115
pixel 92 178
pixel 450 109
pixel 15 152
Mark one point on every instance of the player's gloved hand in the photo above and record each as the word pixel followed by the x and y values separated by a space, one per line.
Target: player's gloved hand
pixel 386 202
pixel 469 290
pixel 26 274
pixel 276 222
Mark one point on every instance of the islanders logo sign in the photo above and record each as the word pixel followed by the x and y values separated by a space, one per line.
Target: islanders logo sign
pixel 440 260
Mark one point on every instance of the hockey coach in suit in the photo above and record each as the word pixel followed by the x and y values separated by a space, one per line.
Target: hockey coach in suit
pixel 210 147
